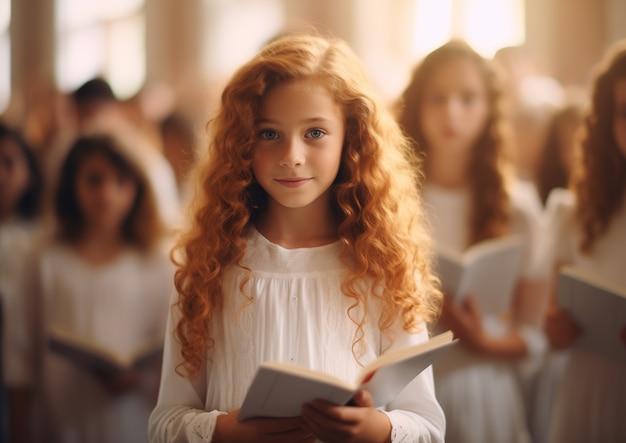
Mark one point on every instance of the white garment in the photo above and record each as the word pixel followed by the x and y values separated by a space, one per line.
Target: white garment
pixel 481 397
pixel 16 240
pixel 298 315
pixel 120 304
pixel 590 399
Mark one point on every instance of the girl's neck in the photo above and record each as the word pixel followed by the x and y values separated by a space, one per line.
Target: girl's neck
pixel 447 171
pixel 99 247
pixel 298 228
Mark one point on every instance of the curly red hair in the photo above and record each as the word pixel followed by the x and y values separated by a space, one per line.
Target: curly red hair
pixel 375 196
pixel 599 176
pixel 490 214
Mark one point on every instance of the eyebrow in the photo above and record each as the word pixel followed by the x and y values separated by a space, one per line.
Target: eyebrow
pixel 306 120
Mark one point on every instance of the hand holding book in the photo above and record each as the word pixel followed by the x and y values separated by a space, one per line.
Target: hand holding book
pixel 279 389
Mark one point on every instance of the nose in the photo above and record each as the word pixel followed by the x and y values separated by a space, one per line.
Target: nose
pixel 293 154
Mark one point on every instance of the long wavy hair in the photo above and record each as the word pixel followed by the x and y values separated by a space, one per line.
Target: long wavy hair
pixel 488 169
pixel 552 171
pixel 142 228
pixel 375 197
pixel 599 176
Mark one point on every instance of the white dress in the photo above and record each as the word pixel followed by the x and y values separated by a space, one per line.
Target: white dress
pixel 590 400
pixel 481 397
pixel 16 240
pixel 298 315
pixel 119 304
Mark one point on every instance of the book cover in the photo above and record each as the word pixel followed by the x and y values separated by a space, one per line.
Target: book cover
pixel 280 389
pixel 487 270
pixel 598 307
pixel 96 357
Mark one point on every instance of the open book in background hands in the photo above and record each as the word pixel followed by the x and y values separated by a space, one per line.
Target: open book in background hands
pixel 487 270
pixel 280 389
pixel 99 359
pixel 598 307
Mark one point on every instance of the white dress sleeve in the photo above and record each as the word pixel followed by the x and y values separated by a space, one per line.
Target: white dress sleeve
pixel 415 414
pixel 179 415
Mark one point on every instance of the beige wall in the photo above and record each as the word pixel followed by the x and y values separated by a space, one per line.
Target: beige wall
pixel 568 37
pixel 565 37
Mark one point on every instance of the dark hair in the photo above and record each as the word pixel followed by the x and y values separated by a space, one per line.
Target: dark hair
pixel 29 203
pixel 96 89
pixel 142 225
pixel 599 175
pixel 552 172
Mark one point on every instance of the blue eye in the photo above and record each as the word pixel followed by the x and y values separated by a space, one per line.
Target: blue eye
pixel 268 134
pixel 315 133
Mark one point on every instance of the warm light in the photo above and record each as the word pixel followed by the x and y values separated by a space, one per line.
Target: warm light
pixel 493 24
pixel 96 38
pixel 242 29
pixel 433 25
pixel 487 25
pixel 5 54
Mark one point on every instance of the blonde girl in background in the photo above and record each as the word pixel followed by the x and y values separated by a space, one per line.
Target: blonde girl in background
pixel 451 110
pixel 306 246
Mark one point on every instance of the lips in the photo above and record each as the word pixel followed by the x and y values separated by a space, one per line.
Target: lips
pixel 293 182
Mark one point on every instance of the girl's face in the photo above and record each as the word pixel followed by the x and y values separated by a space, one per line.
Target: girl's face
pixel 300 134
pixel 455 107
pixel 105 194
pixel 619 119
pixel 14 176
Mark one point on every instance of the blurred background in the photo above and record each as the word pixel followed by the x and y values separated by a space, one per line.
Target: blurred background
pixel 182 51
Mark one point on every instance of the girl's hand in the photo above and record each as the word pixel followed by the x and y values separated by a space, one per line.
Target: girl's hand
pixel 465 321
pixel 360 423
pixel 560 328
pixel 261 430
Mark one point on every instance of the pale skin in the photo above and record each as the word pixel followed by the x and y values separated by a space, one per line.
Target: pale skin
pixel 559 326
pixel 455 111
pixel 296 159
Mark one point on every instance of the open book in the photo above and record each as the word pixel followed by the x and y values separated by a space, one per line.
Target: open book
pixel 96 357
pixel 280 389
pixel 598 307
pixel 487 270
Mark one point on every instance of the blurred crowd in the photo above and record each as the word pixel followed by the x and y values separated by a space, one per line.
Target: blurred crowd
pixel 93 190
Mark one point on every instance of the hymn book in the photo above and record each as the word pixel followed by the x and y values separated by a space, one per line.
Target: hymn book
pixel 487 270
pixel 280 389
pixel 98 358
pixel 598 307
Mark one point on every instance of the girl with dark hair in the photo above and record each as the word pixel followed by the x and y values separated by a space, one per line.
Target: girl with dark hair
pixel 20 198
pixel 106 278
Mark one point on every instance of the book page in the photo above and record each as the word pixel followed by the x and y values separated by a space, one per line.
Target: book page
pixel 491 274
pixel 387 377
pixel 275 392
pixel 598 308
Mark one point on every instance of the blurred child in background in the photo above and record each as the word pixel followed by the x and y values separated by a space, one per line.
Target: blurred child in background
pixel 587 229
pixel 555 163
pixel 104 277
pixel 451 109
pixel 21 187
